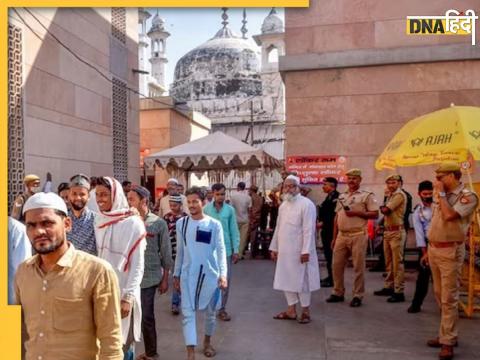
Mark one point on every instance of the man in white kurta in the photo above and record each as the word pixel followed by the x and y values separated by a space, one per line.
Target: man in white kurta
pixel 293 249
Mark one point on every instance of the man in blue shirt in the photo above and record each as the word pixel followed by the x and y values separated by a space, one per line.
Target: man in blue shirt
pixel 82 235
pixel 225 213
pixel 200 271
pixel 19 250
pixel 422 216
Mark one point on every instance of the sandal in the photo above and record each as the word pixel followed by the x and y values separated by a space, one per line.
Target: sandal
pixel 223 315
pixel 209 351
pixel 284 316
pixel 304 318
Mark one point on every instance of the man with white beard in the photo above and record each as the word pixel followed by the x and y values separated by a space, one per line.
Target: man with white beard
pixel 293 249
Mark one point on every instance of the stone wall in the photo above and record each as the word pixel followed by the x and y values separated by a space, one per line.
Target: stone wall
pixel 355 110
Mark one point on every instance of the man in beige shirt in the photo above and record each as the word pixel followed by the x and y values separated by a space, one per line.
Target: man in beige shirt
pixel 394 239
pixel 70 299
pixel 451 218
pixel 354 208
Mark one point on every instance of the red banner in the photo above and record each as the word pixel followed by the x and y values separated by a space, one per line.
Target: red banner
pixel 312 169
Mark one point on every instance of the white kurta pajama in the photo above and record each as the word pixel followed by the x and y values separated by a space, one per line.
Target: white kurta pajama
pixel 294 236
pixel 121 241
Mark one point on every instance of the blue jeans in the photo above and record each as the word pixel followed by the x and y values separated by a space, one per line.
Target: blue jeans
pixel 226 291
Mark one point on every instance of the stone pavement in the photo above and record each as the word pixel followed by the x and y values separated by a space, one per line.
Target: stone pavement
pixel 377 330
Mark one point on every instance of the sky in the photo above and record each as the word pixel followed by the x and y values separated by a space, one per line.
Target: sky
pixel 189 28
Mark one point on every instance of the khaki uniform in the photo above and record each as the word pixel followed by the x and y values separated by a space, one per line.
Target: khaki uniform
pixel 352 240
pixel 17 207
pixel 446 254
pixel 394 239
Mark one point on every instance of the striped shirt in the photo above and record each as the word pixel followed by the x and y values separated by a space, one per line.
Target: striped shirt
pixel 171 220
pixel 82 235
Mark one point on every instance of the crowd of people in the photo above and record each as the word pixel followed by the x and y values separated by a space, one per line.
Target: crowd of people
pixel 86 263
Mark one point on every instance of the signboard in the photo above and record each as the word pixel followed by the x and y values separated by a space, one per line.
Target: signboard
pixel 312 169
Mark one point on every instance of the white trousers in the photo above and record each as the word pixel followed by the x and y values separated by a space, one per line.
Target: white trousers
pixel 293 298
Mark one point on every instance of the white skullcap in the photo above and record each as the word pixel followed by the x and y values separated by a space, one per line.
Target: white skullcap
pixel 45 201
pixel 172 180
pixel 294 178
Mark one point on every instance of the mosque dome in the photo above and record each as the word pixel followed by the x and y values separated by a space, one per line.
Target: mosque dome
pixel 272 23
pixel 224 66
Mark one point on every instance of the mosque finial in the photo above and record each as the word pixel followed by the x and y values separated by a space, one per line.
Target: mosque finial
pixel 225 17
pixel 273 11
pixel 244 29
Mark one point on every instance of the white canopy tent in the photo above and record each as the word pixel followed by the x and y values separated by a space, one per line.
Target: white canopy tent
pixel 217 154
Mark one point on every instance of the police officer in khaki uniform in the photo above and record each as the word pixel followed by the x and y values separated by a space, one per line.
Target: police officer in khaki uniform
pixel 394 238
pixel 32 185
pixel 354 208
pixel 452 214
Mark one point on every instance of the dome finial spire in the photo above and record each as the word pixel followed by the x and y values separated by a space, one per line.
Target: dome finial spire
pixel 225 17
pixel 273 11
pixel 244 29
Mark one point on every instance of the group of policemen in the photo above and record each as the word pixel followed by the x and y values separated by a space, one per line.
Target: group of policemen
pixel 343 221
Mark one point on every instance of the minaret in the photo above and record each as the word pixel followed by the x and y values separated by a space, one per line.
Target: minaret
pixel 143 15
pixel 158 37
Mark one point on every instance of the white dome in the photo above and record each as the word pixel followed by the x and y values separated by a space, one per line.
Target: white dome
pixel 224 66
pixel 272 23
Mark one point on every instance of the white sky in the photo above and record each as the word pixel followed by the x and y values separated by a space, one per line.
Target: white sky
pixel 189 28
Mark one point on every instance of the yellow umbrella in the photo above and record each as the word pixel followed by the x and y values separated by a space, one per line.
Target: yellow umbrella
pixel 444 135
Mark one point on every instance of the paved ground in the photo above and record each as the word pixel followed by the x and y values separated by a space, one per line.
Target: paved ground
pixel 377 330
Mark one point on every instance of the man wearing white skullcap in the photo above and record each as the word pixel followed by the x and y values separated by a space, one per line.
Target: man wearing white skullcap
pixel 293 249
pixel 70 299
pixel 172 188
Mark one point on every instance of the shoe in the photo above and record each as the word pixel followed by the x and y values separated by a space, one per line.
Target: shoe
pixel 396 298
pixel 383 292
pixel 335 299
pixel 175 310
pixel 446 353
pixel 413 309
pixel 435 343
pixel 327 282
pixel 356 302
pixel 223 315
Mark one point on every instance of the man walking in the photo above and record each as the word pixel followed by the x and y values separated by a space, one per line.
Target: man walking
pixel 158 262
pixel 200 271
pixel 451 218
pixel 82 235
pixel 175 214
pixel 32 186
pixel 293 248
pixel 254 218
pixel 326 219
pixel 70 299
pixel 225 214
pixel 242 202
pixel 354 208
pixel 422 216
pixel 394 238
pixel 120 239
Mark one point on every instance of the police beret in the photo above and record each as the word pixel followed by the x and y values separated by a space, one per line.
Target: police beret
pixel 30 178
pixel 448 167
pixel 354 172
pixel 393 177
pixel 80 180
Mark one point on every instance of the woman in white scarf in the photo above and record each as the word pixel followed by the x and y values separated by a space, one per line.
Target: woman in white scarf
pixel 120 236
